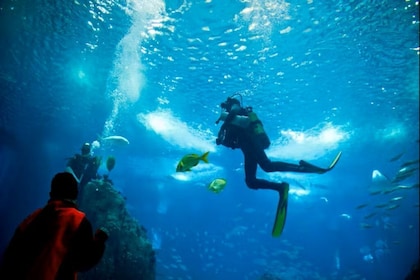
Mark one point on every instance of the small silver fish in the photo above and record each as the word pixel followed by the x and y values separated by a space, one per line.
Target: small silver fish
pixel 396 198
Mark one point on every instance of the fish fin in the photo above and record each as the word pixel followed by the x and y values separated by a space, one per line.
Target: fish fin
pixel 179 166
pixel 204 157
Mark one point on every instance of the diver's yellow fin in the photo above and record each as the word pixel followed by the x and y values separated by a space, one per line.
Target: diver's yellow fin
pixel 204 157
pixel 281 213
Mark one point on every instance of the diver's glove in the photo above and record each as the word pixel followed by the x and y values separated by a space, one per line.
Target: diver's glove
pixel 101 234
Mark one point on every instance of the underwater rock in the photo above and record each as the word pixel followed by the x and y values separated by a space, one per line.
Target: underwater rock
pixel 128 254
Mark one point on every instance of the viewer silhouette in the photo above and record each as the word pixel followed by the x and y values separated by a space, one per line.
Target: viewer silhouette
pixel 54 242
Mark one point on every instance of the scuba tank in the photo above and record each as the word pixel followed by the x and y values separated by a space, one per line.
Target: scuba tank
pixel 238 120
pixel 256 131
pixel 228 135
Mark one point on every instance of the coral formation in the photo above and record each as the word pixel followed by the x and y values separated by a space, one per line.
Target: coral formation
pixel 129 253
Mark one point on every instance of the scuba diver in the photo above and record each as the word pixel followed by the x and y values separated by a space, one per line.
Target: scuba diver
pixel 84 166
pixel 242 129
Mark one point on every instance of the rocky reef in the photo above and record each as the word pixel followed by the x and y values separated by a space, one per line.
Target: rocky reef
pixel 129 254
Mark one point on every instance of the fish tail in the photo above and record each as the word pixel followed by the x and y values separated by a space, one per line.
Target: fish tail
pixel 204 157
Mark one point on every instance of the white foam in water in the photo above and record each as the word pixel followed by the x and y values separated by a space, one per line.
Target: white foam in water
pixel 262 15
pixel 308 145
pixel 175 131
pixel 127 79
pixel 203 171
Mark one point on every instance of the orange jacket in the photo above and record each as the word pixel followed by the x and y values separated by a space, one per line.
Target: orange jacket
pixel 52 243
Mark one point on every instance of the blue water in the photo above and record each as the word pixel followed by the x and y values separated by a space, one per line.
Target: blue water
pixel 323 76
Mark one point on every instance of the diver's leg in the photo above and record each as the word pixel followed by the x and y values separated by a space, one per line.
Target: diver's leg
pixel 274 166
pixel 250 165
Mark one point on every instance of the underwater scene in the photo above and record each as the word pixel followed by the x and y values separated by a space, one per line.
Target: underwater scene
pixel 177 101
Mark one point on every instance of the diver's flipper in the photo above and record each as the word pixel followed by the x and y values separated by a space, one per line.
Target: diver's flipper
pixel 281 214
pixel 334 162
pixel 70 170
pixel 310 168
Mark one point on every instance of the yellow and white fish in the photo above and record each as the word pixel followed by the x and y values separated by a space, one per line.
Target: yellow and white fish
pixel 217 185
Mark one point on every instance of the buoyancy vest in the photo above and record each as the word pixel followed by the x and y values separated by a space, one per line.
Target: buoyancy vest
pixel 257 132
pixel 60 223
pixel 250 123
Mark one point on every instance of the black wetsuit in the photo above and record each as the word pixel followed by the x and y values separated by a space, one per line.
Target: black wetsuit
pixel 255 155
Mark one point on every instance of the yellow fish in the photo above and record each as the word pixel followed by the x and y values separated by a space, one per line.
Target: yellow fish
pixel 190 160
pixel 217 185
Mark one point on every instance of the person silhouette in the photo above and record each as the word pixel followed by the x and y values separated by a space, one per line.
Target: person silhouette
pixel 56 241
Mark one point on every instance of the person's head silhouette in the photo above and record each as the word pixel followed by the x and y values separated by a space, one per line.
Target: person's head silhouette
pixel 64 186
